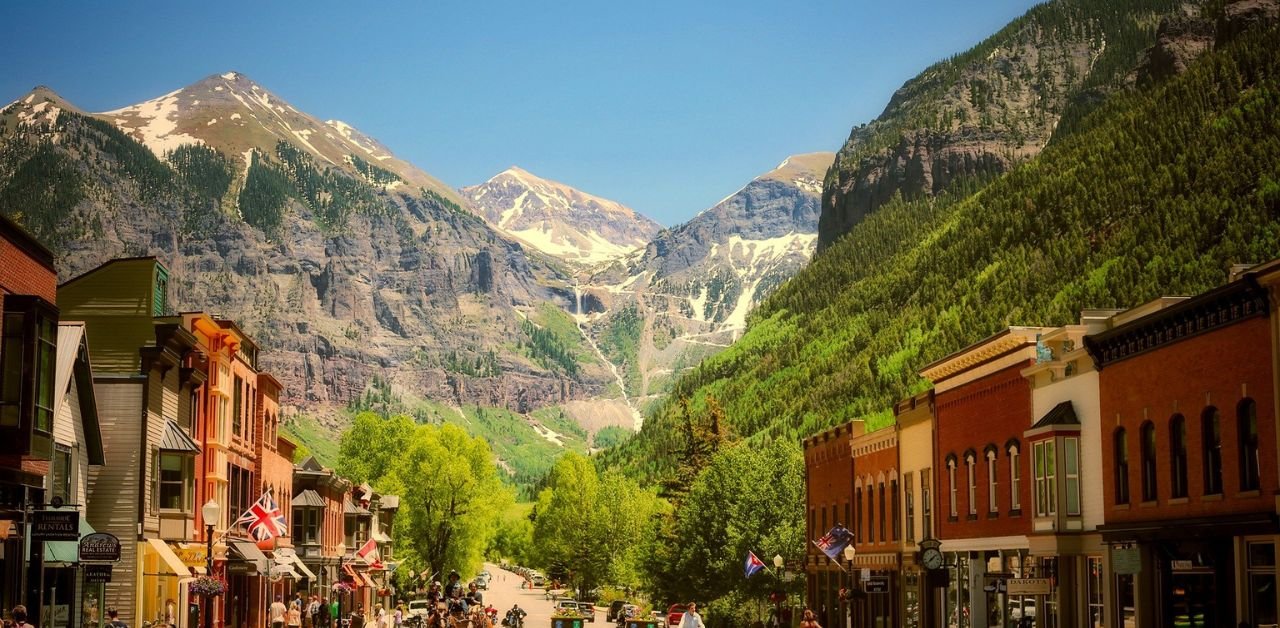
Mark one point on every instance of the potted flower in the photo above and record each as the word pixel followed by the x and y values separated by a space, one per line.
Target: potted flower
pixel 342 588
pixel 208 586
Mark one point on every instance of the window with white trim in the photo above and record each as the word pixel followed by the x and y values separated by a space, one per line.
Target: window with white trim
pixel 1043 455
pixel 973 484
pixel 1071 468
pixel 951 474
pixel 1015 478
pixel 992 505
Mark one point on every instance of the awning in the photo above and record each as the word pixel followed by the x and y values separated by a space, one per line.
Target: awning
pixel 369 581
pixel 67 552
pixel 176 439
pixel 380 537
pixel 349 508
pixel 302 568
pixel 170 559
pixel 308 497
pixel 250 553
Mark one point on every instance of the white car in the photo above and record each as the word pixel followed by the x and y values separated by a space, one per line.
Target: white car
pixel 419 608
pixel 538 580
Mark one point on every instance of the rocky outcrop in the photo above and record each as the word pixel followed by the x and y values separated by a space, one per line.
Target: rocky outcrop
pixel 1241 15
pixel 1182 38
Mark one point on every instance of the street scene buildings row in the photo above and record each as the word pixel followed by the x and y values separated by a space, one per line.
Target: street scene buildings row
pixel 159 430
pixel 1120 471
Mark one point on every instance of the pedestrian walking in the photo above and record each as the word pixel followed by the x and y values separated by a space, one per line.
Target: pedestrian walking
pixel 691 618
pixel 295 616
pixel 277 612
pixel 19 614
pixel 113 618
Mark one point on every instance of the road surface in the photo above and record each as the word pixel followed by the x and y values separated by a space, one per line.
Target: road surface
pixel 504 592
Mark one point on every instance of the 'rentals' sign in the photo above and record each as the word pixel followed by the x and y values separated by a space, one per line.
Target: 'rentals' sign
pixel 55 525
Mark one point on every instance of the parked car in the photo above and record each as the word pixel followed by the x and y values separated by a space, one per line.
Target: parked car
pixel 614 607
pixel 675 613
pixel 588 611
pixel 538 580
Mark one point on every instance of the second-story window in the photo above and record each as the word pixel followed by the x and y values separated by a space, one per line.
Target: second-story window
pixel 857 515
pixel 1043 458
pixel 1177 456
pixel 897 510
pixel 1120 445
pixel 1211 442
pixel 909 497
pixel 1015 478
pixel 871 512
pixel 1148 461
pixel 992 494
pixel 926 503
pixel 1071 468
pixel 951 475
pixel 972 473
pixel 1247 431
pixel 883 537
pixel 237 408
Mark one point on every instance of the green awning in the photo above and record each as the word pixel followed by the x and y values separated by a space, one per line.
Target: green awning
pixel 66 552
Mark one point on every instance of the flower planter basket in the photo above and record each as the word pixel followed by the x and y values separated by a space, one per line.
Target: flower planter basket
pixel 208 586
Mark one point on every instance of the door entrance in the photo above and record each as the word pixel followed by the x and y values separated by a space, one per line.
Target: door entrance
pixel 1191 601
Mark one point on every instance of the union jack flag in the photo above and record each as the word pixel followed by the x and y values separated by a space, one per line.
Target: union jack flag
pixel 264 519
pixel 834 541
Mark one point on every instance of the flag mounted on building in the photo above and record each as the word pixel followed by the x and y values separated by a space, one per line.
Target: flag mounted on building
pixel 754 564
pixel 834 542
pixel 264 519
pixel 369 554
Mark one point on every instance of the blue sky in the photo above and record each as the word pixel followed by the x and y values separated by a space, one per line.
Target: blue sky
pixel 666 106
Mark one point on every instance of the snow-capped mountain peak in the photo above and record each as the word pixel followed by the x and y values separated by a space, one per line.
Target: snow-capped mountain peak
pixel 558 219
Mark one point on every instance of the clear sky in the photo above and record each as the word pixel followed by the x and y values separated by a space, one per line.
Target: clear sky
pixel 666 106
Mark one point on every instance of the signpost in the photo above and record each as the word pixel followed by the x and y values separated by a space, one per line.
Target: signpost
pixel 1030 586
pixel 55 525
pixel 99 547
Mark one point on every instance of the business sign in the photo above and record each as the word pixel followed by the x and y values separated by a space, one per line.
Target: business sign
pixel 878 584
pixel 55 525
pixel 1125 560
pixel 1030 586
pixel 96 572
pixel 99 547
pixel 191 554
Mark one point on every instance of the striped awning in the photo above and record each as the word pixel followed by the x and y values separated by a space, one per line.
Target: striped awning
pixel 176 439
pixel 308 497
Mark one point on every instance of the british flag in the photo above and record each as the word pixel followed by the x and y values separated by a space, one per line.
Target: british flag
pixel 264 519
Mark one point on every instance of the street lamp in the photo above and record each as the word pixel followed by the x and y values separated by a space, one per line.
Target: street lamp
pixel 341 548
pixel 849 553
pixel 777 597
pixel 211 511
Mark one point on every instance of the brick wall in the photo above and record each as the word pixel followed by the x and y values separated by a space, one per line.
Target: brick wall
pixel 992 410
pixel 1218 368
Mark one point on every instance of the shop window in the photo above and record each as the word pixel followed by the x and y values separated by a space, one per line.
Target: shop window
pixel 1262 583
pixel 1178 456
pixel 1211 442
pixel 972 474
pixel 1095 614
pixel 1071 468
pixel 28 349
pixel 1247 429
pixel 1148 461
pixel 992 495
pixel 1043 459
pixel 1120 444
pixel 1015 478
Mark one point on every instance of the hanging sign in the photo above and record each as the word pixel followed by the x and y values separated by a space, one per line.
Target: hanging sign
pixel 1030 586
pixel 96 572
pixel 99 547
pixel 55 525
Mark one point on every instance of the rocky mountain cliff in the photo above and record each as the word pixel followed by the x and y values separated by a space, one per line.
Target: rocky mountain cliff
pixel 970 118
pixel 688 293
pixel 559 220
pixel 344 261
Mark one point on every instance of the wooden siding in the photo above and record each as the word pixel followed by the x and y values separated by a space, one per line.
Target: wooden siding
pixel 113 487
pixel 115 301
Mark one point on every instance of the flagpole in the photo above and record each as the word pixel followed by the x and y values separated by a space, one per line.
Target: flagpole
pixel 837 563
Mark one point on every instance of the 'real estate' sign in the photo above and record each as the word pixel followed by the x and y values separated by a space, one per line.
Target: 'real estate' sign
pixel 55 525
pixel 99 547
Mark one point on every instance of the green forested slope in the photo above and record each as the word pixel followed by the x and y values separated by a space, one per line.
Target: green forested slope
pixel 1158 192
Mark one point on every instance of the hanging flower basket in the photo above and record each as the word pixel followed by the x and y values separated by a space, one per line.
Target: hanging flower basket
pixel 342 588
pixel 208 586
pixel 384 592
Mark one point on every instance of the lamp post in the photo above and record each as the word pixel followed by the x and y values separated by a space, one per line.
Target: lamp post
pixel 342 551
pixel 849 553
pixel 210 511
pixel 777 603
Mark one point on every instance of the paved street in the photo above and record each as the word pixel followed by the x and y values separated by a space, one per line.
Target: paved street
pixel 504 592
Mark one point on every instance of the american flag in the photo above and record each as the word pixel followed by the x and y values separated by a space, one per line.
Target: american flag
pixel 264 519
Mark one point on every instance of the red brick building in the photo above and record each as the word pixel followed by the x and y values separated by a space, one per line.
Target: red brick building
pixel 1189 453
pixel 829 493
pixel 28 345
pixel 982 505
pixel 877 527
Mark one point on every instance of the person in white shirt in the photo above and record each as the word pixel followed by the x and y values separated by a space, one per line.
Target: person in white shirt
pixel 691 618
pixel 277 612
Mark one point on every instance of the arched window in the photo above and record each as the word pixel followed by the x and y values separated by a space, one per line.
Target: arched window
pixel 871 512
pixel 1247 429
pixel 1015 476
pixel 1121 455
pixel 992 496
pixel 1211 444
pixel 897 508
pixel 857 513
pixel 951 477
pixel 1178 456
pixel 969 461
pixel 883 536
pixel 1148 462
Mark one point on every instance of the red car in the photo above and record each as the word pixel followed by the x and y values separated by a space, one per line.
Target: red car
pixel 675 613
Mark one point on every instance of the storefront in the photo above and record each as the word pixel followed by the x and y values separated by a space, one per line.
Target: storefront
pixel 68 600
pixel 162 584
